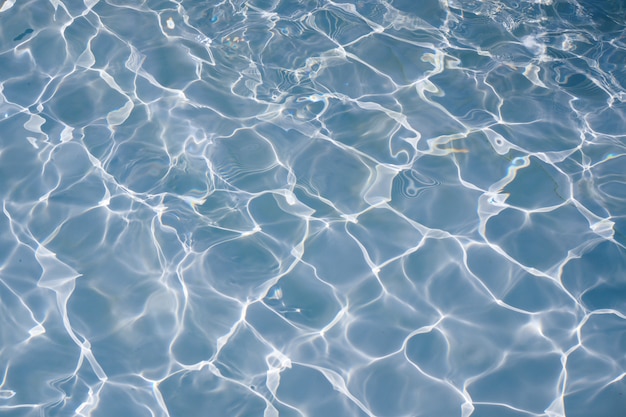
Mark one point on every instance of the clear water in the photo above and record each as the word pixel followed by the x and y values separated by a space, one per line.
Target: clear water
pixel 313 208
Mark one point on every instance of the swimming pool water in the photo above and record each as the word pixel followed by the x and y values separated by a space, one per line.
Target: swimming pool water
pixel 313 208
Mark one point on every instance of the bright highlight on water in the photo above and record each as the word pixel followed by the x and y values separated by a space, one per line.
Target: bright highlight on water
pixel 313 208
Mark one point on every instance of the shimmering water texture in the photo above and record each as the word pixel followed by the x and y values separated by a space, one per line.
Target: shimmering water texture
pixel 313 208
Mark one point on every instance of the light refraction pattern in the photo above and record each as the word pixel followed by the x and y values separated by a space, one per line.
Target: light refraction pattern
pixel 312 208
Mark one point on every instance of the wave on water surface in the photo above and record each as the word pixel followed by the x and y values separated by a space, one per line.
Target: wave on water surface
pixel 313 208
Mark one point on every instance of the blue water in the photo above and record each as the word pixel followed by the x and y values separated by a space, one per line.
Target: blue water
pixel 313 208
